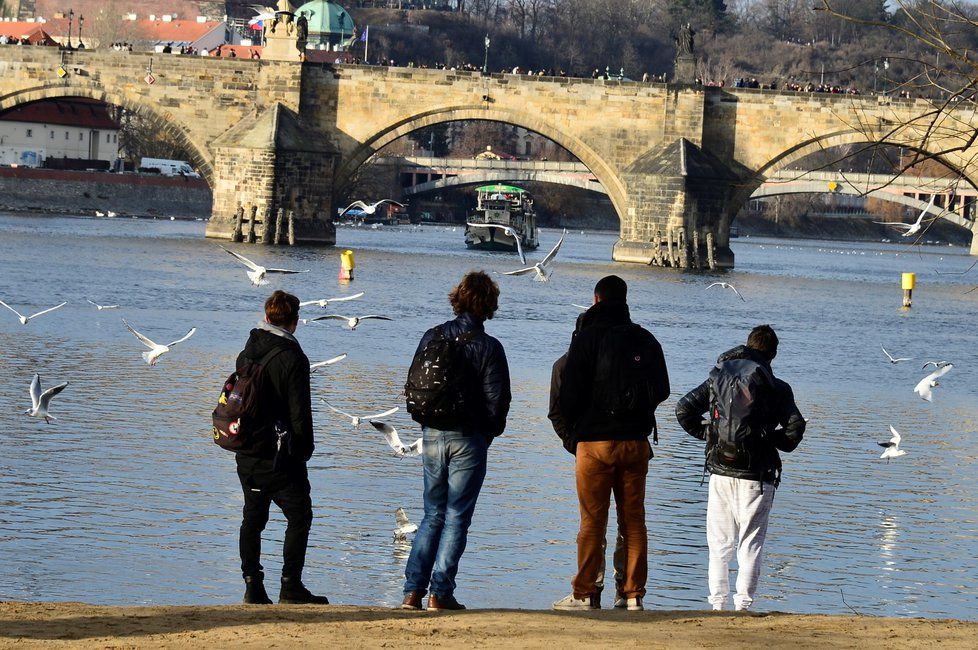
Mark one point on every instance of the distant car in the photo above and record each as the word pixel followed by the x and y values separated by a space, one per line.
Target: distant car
pixel 168 167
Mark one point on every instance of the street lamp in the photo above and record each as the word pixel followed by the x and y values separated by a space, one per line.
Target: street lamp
pixel 81 22
pixel 71 18
pixel 485 61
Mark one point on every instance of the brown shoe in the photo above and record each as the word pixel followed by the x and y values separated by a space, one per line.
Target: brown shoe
pixel 438 603
pixel 412 601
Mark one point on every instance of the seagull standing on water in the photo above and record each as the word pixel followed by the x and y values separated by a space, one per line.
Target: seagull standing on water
pixel 506 229
pixel 912 228
pixel 541 269
pixel 727 285
pixel 370 209
pixel 892 360
pixel 357 419
pixel 155 349
pixel 403 526
pixel 40 401
pixel 326 301
pixel 25 319
pixel 892 447
pixel 394 440
pixel 925 386
pixel 257 272
pixel 351 321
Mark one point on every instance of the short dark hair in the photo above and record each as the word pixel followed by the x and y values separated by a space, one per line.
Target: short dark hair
pixel 763 339
pixel 476 294
pixel 282 309
pixel 611 287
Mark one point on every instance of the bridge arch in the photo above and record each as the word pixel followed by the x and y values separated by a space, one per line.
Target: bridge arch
pixel 200 157
pixel 499 176
pixel 591 159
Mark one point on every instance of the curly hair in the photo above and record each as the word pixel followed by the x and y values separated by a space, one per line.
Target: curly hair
pixel 282 309
pixel 476 294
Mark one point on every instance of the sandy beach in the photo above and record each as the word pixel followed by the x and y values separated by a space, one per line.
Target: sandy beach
pixel 78 625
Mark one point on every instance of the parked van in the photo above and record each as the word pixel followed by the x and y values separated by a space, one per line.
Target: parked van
pixel 168 167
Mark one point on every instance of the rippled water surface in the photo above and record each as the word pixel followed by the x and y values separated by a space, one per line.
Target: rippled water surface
pixel 125 500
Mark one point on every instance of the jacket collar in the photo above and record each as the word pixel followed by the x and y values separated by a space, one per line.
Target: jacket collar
pixel 277 331
pixel 606 313
pixel 469 323
pixel 744 352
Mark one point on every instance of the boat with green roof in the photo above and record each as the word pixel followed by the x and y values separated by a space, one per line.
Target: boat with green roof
pixel 504 220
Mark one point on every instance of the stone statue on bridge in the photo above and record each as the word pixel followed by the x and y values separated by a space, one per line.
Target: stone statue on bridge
pixel 684 41
pixel 684 70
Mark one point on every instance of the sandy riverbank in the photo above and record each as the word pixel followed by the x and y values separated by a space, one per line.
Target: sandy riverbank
pixel 77 625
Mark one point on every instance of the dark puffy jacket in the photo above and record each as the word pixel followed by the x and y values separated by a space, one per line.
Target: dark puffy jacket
pixel 785 428
pixel 490 388
pixel 554 414
pixel 285 393
pixel 583 417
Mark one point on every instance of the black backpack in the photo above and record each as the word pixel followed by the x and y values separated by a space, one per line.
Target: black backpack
pixel 739 391
pixel 626 364
pixel 238 425
pixel 438 382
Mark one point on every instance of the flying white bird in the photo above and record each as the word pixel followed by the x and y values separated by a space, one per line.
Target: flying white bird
pixel 892 360
pixel 402 525
pixel 892 447
pixel 581 307
pixel 912 228
pixel 24 319
pixel 923 388
pixel 394 440
pixel 936 364
pixel 369 209
pixel 506 229
pixel 326 301
pixel 155 349
pixel 328 362
pixel 541 268
pixel 257 272
pixel 40 401
pixel 727 285
pixel 101 307
pixel 351 321
pixel 357 419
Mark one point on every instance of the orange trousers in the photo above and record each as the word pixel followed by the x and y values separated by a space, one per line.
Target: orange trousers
pixel 604 468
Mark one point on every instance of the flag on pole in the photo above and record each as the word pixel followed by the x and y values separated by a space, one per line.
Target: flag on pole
pixel 365 35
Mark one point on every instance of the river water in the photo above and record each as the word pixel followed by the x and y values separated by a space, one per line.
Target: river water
pixel 125 500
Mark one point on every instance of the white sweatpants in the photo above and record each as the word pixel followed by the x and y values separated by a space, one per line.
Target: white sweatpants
pixel 736 521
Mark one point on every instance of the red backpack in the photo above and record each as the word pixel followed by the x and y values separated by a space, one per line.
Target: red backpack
pixel 238 426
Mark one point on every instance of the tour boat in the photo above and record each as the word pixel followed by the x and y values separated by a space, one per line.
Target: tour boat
pixel 503 221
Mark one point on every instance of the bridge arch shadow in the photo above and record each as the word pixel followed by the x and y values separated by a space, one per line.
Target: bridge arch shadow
pixel 200 157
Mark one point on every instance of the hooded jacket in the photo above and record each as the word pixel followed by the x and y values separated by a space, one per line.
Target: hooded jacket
pixel 582 416
pixel 785 427
pixel 490 387
pixel 285 393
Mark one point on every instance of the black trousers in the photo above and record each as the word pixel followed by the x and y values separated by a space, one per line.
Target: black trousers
pixel 290 491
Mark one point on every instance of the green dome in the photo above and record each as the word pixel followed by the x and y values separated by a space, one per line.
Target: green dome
pixel 327 19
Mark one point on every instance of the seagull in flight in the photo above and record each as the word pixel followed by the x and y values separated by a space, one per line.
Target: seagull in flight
pixel 892 360
pixel 936 364
pixel 357 419
pixel 394 440
pixel 24 319
pixel 506 229
pixel 155 349
pixel 101 307
pixel 257 273
pixel 328 362
pixel 925 386
pixel 912 228
pixel 727 285
pixel 40 401
pixel 326 301
pixel 892 447
pixel 403 526
pixel 351 321
pixel 541 269
pixel 370 209
pixel 581 307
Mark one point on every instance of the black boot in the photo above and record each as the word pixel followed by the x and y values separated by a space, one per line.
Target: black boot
pixel 255 590
pixel 295 593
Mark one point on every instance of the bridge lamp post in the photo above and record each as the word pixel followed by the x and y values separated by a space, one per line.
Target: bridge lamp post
pixel 485 61
pixel 81 23
pixel 71 18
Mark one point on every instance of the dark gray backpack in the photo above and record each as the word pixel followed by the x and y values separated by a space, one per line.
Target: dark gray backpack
pixel 740 389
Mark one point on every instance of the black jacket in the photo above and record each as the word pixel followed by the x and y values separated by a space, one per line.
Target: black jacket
pixel 583 418
pixel 554 414
pixel 784 430
pixel 490 387
pixel 285 393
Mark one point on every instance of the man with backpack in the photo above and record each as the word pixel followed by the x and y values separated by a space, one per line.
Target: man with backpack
pixel 272 463
pixel 752 415
pixel 458 390
pixel 615 376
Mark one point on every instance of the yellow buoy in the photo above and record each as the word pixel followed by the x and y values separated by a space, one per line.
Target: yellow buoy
pixel 909 280
pixel 346 266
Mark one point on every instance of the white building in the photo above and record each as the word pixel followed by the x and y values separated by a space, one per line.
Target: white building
pixel 75 129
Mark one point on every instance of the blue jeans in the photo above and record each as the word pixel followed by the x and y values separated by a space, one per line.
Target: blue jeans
pixel 454 469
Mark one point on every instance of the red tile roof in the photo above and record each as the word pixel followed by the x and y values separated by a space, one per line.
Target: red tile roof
pixel 143 8
pixel 28 30
pixel 174 31
pixel 86 113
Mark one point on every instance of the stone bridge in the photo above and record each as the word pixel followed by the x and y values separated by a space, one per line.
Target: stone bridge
pixel 676 161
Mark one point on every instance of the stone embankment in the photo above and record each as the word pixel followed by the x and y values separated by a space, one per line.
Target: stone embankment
pixel 85 193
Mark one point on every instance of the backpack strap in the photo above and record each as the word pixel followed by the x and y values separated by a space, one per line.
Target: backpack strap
pixel 268 356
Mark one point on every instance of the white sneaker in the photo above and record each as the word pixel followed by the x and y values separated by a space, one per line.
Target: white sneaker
pixel 718 608
pixel 571 604
pixel 635 605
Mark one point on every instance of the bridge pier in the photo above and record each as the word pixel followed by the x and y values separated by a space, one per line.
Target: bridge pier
pixel 271 162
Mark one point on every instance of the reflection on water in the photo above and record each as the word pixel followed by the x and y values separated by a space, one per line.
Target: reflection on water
pixel 124 499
